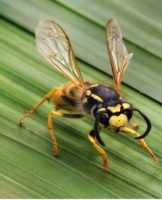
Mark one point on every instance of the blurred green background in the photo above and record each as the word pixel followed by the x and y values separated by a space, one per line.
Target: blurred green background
pixel 27 166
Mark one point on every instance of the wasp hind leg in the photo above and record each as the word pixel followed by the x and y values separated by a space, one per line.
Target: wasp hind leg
pixel 100 150
pixel 141 141
pixel 29 112
pixel 51 114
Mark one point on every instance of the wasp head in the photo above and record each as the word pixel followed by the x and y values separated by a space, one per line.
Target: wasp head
pixel 116 115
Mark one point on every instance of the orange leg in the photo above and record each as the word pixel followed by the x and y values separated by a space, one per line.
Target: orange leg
pixel 51 127
pixel 134 125
pixel 141 141
pixel 29 112
pixel 52 133
pixel 100 150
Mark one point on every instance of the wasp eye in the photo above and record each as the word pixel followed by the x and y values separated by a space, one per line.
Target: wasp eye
pixel 104 119
pixel 128 113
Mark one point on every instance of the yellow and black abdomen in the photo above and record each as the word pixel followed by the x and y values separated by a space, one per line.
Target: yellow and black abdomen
pixel 68 97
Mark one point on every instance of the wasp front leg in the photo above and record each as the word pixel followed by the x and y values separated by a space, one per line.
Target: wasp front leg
pixel 141 141
pixel 100 150
pixel 53 113
pixel 133 125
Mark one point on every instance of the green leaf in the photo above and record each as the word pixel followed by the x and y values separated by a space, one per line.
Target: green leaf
pixel 27 166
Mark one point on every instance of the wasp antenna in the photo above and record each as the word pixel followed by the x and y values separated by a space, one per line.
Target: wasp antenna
pixel 96 130
pixel 147 122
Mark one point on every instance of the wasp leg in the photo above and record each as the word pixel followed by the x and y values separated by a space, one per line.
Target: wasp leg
pixel 52 133
pixel 51 127
pixel 101 151
pixel 134 125
pixel 29 112
pixel 141 141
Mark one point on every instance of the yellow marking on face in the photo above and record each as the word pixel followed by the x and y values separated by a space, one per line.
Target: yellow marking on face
pixel 94 96
pixel 114 109
pixel 101 110
pixel 118 121
pixel 126 105
pixel 88 92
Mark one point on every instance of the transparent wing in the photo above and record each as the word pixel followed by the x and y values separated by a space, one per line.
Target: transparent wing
pixel 119 58
pixel 54 46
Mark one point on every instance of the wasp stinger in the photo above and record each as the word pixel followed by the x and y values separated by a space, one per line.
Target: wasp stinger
pixel 79 97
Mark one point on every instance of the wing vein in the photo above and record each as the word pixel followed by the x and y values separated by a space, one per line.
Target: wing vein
pixel 54 46
pixel 119 58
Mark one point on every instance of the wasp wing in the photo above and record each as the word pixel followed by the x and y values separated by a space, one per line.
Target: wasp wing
pixel 119 58
pixel 54 46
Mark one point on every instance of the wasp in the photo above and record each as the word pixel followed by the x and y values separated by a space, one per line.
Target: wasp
pixel 78 98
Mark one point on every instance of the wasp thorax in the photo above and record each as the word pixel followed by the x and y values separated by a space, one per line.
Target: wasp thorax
pixel 97 95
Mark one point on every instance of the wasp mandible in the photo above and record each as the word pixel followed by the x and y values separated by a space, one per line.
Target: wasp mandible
pixel 79 97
